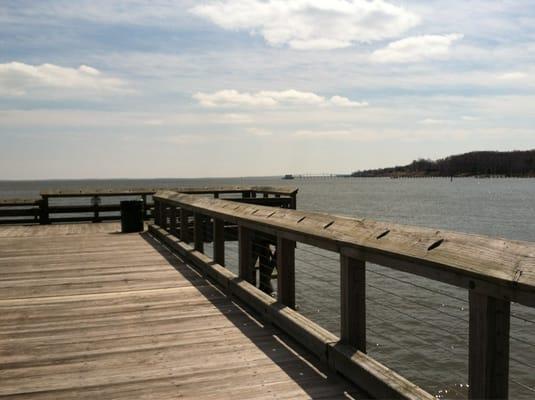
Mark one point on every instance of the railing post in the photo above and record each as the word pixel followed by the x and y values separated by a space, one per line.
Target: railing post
pixel 245 244
pixel 488 366
pixel 157 216
pixel 198 232
pixel 163 215
pixel 44 218
pixel 265 265
pixel 353 302
pixel 96 213
pixel 286 271
pixel 293 204
pixel 184 226
pixel 172 220
pixel 145 208
pixel 219 241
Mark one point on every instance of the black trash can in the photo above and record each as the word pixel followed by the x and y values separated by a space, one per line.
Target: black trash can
pixel 132 216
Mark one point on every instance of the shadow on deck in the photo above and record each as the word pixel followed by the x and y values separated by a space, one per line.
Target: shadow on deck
pixel 85 313
pixel 315 380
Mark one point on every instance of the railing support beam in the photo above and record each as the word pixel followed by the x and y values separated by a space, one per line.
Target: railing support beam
pixel 96 212
pixel 172 220
pixel 44 217
pixel 198 232
pixel 219 241
pixel 184 226
pixel 163 215
pixel 353 302
pixel 488 347
pixel 145 206
pixel 293 204
pixel 156 213
pixel 286 271
pixel 245 240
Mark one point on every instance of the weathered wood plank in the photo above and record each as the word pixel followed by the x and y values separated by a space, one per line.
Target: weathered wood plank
pixel 488 370
pixel 185 234
pixel 286 272
pixel 284 190
pixel 246 270
pixel 132 321
pixel 17 202
pixel 353 302
pixel 361 369
pixel 497 267
pixel 219 241
pixel 198 231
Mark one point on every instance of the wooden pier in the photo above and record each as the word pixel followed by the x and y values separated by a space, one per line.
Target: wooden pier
pixel 87 312
pixel 90 313
pixel 52 206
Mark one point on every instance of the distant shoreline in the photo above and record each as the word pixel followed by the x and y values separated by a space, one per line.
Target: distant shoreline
pixel 443 176
pixel 481 164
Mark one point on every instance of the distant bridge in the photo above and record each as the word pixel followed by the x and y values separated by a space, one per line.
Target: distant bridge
pixel 316 175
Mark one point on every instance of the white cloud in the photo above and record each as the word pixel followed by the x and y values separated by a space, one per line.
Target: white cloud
pixel 153 122
pixel 345 102
pixel 469 118
pixel 18 78
pixel 416 48
pixel 350 135
pixel 311 24
pixel 323 134
pixel 183 139
pixel 236 118
pixel 269 98
pixel 513 76
pixel 433 121
pixel 379 135
pixel 453 120
pixel 259 132
pixel 233 98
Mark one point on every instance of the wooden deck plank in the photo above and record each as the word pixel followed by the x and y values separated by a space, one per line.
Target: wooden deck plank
pixel 87 313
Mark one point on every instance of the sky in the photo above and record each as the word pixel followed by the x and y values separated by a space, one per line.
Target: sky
pixel 215 88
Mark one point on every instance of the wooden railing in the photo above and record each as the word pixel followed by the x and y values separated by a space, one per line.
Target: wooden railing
pixel 495 272
pixel 19 211
pixel 42 210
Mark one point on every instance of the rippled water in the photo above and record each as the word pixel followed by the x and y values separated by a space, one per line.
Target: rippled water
pixel 415 326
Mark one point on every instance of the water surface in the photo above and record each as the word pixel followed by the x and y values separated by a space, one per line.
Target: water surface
pixel 415 326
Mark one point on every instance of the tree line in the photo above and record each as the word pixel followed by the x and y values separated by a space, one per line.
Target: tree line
pixel 475 163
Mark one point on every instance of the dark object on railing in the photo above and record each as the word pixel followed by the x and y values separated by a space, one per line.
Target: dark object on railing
pixel 132 216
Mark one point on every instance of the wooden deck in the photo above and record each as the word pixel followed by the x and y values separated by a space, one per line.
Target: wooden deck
pixel 86 312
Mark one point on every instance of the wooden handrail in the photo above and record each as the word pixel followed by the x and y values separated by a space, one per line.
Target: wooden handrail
pixel 189 190
pixel 18 202
pixel 495 271
pixel 41 209
pixel 501 268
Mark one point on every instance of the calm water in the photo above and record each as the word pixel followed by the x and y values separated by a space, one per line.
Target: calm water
pixel 415 326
